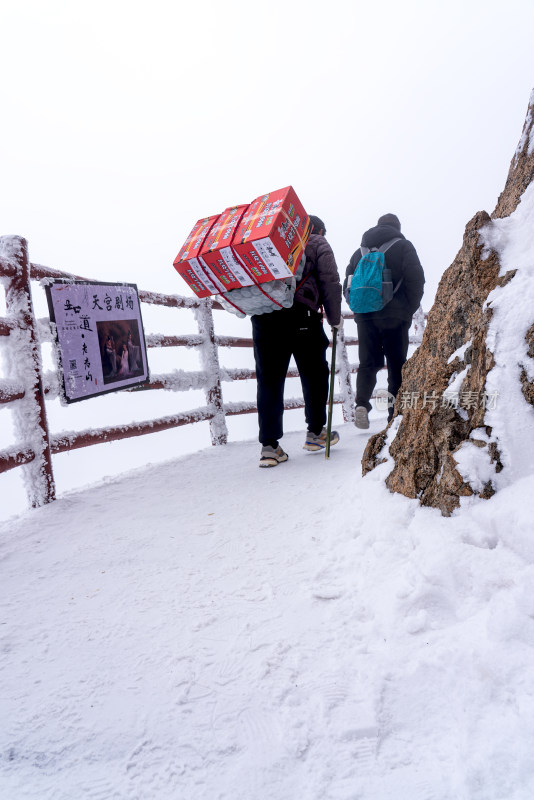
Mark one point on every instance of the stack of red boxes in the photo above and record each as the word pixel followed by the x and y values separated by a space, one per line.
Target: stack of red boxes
pixel 245 245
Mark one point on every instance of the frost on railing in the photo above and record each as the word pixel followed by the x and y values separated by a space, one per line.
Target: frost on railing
pixel 210 363
pixel 163 340
pixel 72 440
pixel 180 381
pixel 11 251
pixel 10 390
pixel 22 362
pixel 43 329
pixel 26 385
pixel 242 373
pixel 344 376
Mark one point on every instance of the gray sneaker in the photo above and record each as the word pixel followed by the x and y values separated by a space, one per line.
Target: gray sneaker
pixel 317 441
pixel 361 417
pixel 271 457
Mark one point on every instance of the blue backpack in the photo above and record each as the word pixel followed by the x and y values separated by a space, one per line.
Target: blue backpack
pixel 370 288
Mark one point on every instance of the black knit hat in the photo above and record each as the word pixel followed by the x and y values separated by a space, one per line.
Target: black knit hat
pixel 318 224
pixel 390 219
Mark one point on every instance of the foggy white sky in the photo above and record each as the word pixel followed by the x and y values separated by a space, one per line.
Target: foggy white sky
pixel 124 122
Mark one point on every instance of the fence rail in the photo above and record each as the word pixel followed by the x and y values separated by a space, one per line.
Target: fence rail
pixel 27 386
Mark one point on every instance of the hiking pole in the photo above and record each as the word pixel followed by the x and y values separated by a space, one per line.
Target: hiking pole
pixel 331 394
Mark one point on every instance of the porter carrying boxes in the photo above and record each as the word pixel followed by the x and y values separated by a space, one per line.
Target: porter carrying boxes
pixel 248 256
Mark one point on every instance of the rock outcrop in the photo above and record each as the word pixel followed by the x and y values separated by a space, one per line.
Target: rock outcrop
pixel 443 400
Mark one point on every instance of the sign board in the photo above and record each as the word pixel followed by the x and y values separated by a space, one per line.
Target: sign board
pixel 100 337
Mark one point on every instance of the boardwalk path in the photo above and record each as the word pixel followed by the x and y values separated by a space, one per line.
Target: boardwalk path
pixel 206 629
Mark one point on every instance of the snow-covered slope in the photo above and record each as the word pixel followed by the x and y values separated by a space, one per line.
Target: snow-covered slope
pixel 207 630
pixel 512 420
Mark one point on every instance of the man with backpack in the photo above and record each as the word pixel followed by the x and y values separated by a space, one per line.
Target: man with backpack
pixel 298 331
pixel 383 286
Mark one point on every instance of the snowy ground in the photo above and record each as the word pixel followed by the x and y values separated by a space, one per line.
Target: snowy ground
pixel 206 630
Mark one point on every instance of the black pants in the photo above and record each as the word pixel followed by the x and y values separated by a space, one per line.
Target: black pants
pixel 277 336
pixel 380 339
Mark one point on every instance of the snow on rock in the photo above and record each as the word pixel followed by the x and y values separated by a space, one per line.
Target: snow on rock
pixel 478 346
pixel 206 629
pixel 475 465
pixel 460 352
pixel 512 418
pixel 527 137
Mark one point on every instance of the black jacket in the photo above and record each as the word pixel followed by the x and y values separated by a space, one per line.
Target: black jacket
pixel 320 284
pixel 403 261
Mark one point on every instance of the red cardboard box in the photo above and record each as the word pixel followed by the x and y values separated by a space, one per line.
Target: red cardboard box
pixel 245 244
pixel 217 254
pixel 272 235
pixel 188 264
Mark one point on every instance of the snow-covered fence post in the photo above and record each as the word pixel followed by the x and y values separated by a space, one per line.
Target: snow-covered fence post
pixel 210 363
pixel 23 357
pixel 345 384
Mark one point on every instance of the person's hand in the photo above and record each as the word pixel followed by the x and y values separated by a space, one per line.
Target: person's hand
pixel 339 325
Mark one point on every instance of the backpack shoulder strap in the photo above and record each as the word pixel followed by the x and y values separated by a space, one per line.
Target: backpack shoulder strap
pixel 397 287
pixel 383 248
pixel 302 280
pixel 363 251
pixel 386 247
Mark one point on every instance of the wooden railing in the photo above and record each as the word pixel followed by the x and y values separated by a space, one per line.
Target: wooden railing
pixel 27 386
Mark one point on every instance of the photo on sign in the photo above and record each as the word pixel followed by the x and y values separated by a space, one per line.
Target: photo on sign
pixel 120 349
